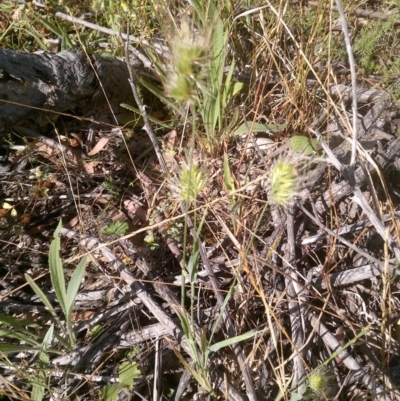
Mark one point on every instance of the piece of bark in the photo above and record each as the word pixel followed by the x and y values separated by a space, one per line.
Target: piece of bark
pixel 32 84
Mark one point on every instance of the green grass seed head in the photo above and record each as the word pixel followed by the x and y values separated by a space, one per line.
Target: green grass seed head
pixel 189 61
pixel 283 180
pixel 192 182
pixel 321 381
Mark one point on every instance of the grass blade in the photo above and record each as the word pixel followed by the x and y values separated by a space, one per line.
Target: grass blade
pixel 39 385
pixel 57 271
pixel 74 284
pixel 233 340
pixel 41 295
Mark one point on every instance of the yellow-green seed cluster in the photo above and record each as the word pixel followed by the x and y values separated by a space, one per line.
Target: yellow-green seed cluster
pixel 192 182
pixel 283 182
pixel 189 58
pixel 321 381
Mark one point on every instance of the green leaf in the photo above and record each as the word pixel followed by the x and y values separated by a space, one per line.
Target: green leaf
pixel 219 38
pixel 152 119
pixel 38 389
pixel 193 265
pixel 222 310
pixel 228 180
pixel 229 341
pixel 74 283
pixel 236 87
pixel 63 341
pixel 110 392
pixel 116 228
pixel 51 27
pixel 199 7
pixel 41 295
pixel 257 127
pixel 227 87
pixel 160 95
pixel 7 348
pixel 19 324
pixel 96 330
pixel 18 336
pixel 128 371
pixel 184 322
pixel 57 271
pixel 39 385
pixel 38 39
pixel 301 144
pixel 296 397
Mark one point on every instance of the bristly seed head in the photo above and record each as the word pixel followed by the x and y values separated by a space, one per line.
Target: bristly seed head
pixel 192 182
pixel 283 180
pixel 321 381
pixel 189 51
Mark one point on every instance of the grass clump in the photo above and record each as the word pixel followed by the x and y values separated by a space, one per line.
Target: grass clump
pixel 233 86
pixel 374 45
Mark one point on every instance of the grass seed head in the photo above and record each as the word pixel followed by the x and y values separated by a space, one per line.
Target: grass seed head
pixel 192 181
pixel 321 381
pixel 189 59
pixel 283 180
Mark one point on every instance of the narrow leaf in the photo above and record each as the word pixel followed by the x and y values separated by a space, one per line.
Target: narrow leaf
pixel 57 271
pixel 18 336
pixel 160 95
pixel 41 295
pixel 39 385
pixel 193 265
pixel 19 324
pixel 234 340
pixel 228 180
pixel 74 284
pixel 151 118
pixel 222 310
pixel 7 348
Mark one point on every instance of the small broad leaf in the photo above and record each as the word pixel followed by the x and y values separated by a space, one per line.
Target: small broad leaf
pixel 296 397
pixel 116 228
pixel 128 371
pixel 96 330
pixel 257 127
pixel 236 87
pixel 301 144
pixel 110 392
